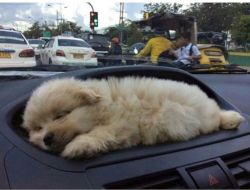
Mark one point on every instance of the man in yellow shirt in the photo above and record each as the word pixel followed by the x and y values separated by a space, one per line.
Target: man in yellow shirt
pixel 155 45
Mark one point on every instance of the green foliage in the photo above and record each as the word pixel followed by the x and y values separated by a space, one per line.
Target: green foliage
pixel 135 35
pixel 36 30
pixel 112 32
pixel 241 30
pixel 216 16
pixel 154 8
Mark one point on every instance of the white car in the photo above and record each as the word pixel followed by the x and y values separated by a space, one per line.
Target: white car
pixel 65 50
pixel 15 50
pixel 34 44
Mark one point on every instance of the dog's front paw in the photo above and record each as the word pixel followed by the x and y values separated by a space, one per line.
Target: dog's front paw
pixel 84 147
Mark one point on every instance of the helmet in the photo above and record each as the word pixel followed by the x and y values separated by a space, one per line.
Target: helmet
pixel 115 40
pixel 144 39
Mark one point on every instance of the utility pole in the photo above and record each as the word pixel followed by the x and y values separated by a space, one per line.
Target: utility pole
pixel 61 16
pixel 121 23
pixel 57 18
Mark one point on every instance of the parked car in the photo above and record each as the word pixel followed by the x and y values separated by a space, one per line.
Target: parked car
pixel 65 50
pixel 15 50
pixel 34 44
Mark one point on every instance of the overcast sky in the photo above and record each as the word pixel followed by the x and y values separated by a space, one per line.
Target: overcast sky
pixel 17 14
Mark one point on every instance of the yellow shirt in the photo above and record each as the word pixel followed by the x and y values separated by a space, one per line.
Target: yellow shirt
pixel 156 46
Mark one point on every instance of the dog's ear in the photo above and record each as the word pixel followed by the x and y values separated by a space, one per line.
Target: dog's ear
pixel 89 96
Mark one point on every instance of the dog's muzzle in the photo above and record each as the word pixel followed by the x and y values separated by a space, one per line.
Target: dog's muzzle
pixel 48 139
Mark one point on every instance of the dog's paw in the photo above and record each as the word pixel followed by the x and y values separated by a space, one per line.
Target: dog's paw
pixel 78 148
pixel 231 119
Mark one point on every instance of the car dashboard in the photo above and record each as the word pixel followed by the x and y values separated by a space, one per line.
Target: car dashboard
pixel 219 160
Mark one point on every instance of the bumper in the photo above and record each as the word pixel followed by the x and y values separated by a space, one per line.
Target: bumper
pixel 24 64
pixel 64 61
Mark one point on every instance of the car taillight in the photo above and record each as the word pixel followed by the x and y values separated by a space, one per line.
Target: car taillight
pixel 27 53
pixel 60 53
pixel 94 55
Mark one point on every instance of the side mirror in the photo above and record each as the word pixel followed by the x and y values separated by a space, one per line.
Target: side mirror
pixel 136 51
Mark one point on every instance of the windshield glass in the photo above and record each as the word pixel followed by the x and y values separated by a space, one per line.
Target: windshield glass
pixel 74 43
pixel 11 38
pixel 200 37
pixel 37 42
pixel 98 38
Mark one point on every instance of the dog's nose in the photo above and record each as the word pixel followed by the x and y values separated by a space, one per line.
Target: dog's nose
pixel 48 139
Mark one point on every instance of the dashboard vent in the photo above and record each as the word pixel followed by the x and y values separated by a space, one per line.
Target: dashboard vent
pixel 155 181
pixel 235 163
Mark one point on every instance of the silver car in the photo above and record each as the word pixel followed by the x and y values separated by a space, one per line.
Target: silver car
pixel 34 44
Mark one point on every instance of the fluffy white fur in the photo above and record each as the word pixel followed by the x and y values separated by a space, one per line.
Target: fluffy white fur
pixel 86 118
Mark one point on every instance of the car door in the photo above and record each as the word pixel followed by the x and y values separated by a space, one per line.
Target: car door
pixel 42 53
pixel 46 52
pixel 50 50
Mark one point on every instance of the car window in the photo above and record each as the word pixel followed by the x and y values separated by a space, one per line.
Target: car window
pixel 37 42
pixel 11 38
pixel 74 43
pixel 51 43
pixel 98 38
pixel 47 44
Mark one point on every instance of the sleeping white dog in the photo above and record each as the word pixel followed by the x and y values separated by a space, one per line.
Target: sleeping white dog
pixel 85 118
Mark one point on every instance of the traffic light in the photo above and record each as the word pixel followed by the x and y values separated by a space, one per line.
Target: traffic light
pixel 93 19
pixel 145 15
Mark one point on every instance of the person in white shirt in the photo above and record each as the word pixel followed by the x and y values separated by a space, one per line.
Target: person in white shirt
pixel 188 52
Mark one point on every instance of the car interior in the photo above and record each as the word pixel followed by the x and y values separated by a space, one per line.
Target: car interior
pixel 218 160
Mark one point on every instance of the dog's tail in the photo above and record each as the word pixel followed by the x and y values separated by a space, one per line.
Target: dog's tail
pixel 230 119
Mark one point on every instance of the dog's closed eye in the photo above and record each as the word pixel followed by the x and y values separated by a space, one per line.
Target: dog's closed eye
pixel 37 128
pixel 61 114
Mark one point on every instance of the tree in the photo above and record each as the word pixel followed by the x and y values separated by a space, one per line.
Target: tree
pixel 69 26
pixel 112 32
pixel 35 31
pixel 134 35
pixel 154 8
pixel 240 32
pixel 216 17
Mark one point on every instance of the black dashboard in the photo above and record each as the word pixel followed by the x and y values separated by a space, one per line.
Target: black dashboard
pixel 219 160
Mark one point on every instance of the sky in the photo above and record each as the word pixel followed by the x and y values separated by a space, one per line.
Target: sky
pixel 22 15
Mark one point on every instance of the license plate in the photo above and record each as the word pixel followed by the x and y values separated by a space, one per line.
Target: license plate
pixel 78 56
pixel 5 55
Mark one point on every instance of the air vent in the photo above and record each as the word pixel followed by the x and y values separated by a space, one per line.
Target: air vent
pixel 154 181
pixel 237 165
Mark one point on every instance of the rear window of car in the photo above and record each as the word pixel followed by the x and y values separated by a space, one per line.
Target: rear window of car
pixel 73 43
pixel 37 42
pixel 11 38
pixel 98 38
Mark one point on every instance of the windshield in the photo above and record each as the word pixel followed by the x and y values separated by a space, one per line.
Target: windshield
pixel 98 38
pixel 11 38
pixel 195 37
pixel 73 43
pixel 37 42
